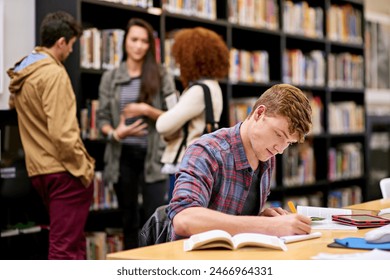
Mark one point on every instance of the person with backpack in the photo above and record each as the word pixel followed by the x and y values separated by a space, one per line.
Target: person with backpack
pixel 201 65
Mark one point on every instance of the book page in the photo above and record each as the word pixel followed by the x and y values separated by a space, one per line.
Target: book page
pixel 259 240
pixel 384 213
pixel 227 244
pixel 331 225
pixel 322 212
pixel 375 254
pixel 209 239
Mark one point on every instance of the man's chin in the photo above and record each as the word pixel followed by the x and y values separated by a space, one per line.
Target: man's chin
pixel 264 159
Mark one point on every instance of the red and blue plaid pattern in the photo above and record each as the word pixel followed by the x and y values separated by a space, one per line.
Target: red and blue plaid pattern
pixel 216 174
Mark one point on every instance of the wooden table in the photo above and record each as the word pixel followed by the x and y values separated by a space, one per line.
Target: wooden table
pixel 372 205
pixel 296 251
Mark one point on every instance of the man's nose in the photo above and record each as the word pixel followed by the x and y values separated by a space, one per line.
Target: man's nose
pixel 280 147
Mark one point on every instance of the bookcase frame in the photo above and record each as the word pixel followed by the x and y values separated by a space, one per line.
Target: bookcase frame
pixel 102 14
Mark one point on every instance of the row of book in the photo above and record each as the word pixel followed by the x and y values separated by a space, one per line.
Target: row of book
pixel 299 165
pixel 345 161
pixel 249 66
pixel 101 243
pixel 239 109
pixel 317 117
pixel 337 198
pixel 345 70
pixel 104 196
pixel 304 68
pixel 136 3
pixel 344 24
pixel 101 49
pixel 88 125
pixel 254 13
pixel 200 8
pixel 346 196
pixel 300 18
pixel 169 61
pixel 346 117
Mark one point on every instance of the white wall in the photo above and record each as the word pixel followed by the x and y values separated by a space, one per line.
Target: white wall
pixel 377 6
pixel 19 38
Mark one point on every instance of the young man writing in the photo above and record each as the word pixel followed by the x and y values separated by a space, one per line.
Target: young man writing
pixel 224 177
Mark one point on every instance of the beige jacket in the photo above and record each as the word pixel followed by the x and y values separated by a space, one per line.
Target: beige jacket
pixel 42 94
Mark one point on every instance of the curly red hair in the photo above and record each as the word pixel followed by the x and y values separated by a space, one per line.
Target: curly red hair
pixel 200 53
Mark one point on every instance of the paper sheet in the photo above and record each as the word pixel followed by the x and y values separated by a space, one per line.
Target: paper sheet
pixel 375 254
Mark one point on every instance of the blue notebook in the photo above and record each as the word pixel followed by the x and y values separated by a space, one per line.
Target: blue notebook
pixel 361 243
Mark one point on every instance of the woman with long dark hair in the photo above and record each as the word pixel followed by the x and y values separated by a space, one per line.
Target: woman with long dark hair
pixel 131 98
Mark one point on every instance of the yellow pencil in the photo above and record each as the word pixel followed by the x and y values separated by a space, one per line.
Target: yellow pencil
pixel 292 207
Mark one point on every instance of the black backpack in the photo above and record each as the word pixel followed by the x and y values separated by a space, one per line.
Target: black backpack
pixel 157 228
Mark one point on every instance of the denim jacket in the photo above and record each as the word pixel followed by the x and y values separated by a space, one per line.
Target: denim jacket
pixel 109 113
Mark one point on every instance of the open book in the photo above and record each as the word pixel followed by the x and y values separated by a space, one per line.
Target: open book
pixel 222 239
pixel 384 213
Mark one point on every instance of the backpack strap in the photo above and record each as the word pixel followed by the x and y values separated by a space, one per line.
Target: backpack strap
pixel 183 143
pixel 211 125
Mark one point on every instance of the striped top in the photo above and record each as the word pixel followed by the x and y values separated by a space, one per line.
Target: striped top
pixel 130 92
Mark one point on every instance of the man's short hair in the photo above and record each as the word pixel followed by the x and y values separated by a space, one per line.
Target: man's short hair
pixel 56 25
pixel 290 102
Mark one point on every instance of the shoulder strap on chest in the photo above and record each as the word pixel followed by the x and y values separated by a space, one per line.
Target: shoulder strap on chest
pixel 211 125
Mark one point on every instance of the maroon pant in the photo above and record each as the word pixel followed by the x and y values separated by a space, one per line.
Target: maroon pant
pixel 67 201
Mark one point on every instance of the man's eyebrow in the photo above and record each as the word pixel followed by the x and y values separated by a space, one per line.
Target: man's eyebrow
pixel 285 135
pixel 283 132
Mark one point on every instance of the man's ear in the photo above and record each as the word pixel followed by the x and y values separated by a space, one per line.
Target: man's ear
pixel 61 42
pixel 259 112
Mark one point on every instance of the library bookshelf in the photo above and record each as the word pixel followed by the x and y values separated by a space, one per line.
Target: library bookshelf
pixel 316 45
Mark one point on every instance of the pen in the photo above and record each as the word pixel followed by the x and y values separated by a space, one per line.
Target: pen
pixel 292 207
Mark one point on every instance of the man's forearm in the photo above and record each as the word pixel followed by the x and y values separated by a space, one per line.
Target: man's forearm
pixel 199 219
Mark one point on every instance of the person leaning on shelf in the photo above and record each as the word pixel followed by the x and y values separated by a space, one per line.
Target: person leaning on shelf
pixel 224 178
pixel 57 162
pixel 131 98
pixel 189 51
